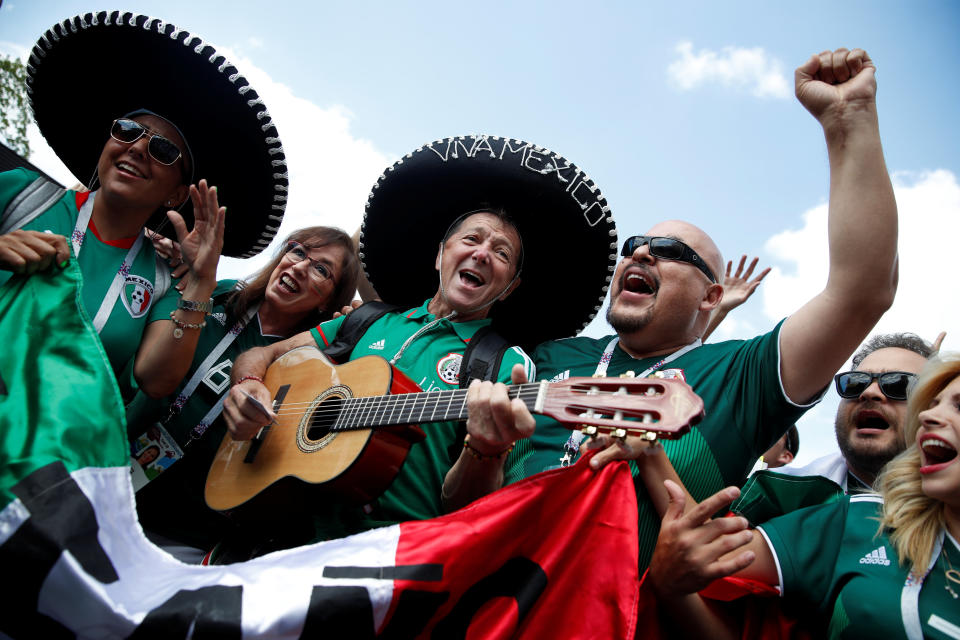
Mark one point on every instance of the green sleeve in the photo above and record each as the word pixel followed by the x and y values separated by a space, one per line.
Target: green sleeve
pixel 806 545
pixel 326 332
pixel 769 494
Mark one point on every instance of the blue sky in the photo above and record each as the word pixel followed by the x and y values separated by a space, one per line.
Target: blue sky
pixel 682 111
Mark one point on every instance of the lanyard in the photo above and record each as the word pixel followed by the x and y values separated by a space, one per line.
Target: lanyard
pixel 201 372
pixel 572 444
pixel 113 292
pixel 910 596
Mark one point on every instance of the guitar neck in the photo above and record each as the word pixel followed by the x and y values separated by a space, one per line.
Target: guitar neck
pixel 416 408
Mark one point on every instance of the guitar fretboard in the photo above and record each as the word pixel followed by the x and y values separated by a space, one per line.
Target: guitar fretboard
pixel 414 408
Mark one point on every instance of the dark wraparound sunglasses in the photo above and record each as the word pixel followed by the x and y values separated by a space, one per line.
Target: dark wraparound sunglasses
pixel 159 148
pixel 893 384
pixel 667 249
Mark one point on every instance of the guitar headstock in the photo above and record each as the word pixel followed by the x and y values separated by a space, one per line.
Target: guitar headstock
pixel 650 407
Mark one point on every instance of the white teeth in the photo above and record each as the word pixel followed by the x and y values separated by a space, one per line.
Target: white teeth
pixel 130 168
pixel 936 443
pixel 288 282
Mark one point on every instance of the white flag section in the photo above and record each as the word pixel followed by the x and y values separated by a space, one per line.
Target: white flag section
pixel 276 588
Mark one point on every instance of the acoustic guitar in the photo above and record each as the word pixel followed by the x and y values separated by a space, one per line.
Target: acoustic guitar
pixel 347 428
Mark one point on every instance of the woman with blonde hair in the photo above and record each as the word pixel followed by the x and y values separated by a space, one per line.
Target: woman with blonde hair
pixel 833 565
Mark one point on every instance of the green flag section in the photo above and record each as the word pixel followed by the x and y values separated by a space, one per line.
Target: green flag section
pixel 58 398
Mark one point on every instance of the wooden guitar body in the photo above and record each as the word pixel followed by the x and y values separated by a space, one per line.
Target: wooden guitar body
pixel 298 453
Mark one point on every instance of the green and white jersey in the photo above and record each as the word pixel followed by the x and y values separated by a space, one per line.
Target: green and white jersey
pixel 746 412
pixel 851 578
pixel 99 262
pixel 173 504
pixel 432 360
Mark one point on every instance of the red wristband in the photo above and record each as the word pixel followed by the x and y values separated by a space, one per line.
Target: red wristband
pixel 245 378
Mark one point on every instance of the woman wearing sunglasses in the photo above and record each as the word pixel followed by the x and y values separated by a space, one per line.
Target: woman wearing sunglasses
pixel 313 275
pixel 139 145
pixel 865 566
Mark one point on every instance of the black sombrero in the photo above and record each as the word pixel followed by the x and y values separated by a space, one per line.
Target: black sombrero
pixel 145 63
pixel 569 236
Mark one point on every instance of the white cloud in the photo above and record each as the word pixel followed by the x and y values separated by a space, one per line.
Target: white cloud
pixel 750 69
pixel 331 172
pixel 929 220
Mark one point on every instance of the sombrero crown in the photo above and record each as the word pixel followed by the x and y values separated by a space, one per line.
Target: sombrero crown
pixel 568 231
pixel 118 62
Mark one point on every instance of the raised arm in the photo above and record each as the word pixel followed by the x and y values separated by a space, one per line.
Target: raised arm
pixel 839 89
pixel 163 358
pixel 737 289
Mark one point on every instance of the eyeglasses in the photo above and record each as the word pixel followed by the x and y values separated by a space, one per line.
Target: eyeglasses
pixel 297 253
pixel 667 249
pixel 159 148
pixel 893 384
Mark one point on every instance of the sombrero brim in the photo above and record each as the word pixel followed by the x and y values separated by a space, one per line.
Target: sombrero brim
pixel 92 68
pixel 568 231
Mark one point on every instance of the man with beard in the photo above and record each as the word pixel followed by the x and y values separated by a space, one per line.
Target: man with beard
pixel 871 411
pixel 665 288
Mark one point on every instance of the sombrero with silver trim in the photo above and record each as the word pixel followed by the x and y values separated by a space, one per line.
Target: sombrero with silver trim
pixel 93 68
pixel 569 235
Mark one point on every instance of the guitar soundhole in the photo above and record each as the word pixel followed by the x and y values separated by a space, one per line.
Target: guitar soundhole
pixel 314 431
pixel 323 418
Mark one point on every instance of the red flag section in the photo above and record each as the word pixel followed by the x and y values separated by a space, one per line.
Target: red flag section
pixel 552 556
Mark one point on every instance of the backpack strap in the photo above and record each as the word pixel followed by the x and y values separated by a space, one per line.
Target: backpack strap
pixel 483 356
pixel 354 326
pixel 36 197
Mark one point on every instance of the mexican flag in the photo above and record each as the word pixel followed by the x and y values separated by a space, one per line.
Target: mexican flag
pixel 553 556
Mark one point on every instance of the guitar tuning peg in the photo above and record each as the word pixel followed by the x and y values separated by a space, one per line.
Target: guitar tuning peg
pixel 628 374
pixel 619 433
pixel 589 430
pixel 649 436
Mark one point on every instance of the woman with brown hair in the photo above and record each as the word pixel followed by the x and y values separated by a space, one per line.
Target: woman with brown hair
pixel 312 276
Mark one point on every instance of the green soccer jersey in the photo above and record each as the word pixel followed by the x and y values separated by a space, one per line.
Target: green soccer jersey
pixel 173 504
pixel 99 262
pixel 746 412
pixel 431 360
pixel 851 577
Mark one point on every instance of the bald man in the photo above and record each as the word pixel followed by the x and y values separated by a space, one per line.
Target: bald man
pixel 667 284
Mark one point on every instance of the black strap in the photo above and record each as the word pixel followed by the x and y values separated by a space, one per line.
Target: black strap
pixel 483 356
pixel 354 326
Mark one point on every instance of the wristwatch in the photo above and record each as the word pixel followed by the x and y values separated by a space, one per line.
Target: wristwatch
pixel 193 305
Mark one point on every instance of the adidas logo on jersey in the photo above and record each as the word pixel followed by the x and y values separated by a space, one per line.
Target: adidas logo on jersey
pixel 877 556
pixel 378 345
pixel 563 375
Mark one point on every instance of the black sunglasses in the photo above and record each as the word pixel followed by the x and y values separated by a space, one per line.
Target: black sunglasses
pixel 159 148
pixel 667 249
pixel 893 384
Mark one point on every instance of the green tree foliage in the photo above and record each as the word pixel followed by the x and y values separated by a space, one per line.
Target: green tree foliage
pixel 14 113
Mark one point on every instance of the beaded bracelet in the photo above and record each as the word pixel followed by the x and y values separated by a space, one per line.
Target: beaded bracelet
pixel 245 378
pixel 479 455
pixel 178 330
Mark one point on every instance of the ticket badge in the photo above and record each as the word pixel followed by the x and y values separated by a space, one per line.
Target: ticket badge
pixel 151 454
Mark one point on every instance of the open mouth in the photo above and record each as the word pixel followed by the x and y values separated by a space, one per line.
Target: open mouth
pixel 871 420
pixel 471 279
pixel 639 282
pixel 288 283
pixel 936 454
pixel 126 167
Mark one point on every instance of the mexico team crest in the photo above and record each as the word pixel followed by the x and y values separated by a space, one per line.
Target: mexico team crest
pixel 448 368
pixel 137 295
